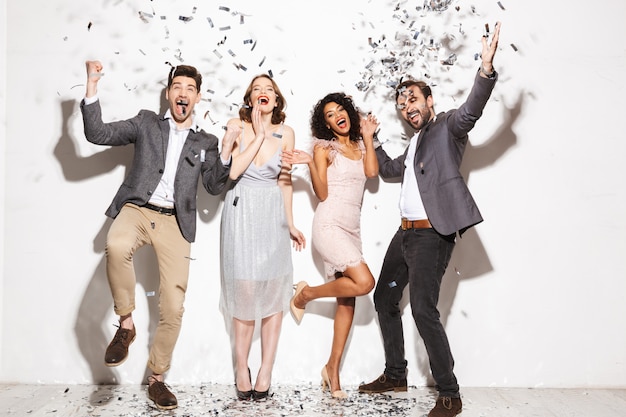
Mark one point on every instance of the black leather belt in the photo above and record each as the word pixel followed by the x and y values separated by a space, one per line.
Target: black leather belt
pixel 161 210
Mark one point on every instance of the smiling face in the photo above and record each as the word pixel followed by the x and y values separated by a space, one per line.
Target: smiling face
pixel 263 93
pixel 416 109
pixel 182 96
pixel 337 119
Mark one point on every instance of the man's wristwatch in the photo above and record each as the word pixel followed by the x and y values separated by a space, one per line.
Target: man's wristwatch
pixel 376 142
pixel 491 75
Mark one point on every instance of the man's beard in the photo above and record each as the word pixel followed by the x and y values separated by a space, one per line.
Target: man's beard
pixel 424 117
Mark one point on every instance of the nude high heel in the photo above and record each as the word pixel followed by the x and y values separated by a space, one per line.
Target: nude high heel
pixel 297 313
pixel 339 394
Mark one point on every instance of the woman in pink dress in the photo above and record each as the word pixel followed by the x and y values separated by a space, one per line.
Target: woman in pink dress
pixel 343 158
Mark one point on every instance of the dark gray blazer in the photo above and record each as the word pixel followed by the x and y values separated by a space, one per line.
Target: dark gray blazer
pixel 440 146
pixel 149 134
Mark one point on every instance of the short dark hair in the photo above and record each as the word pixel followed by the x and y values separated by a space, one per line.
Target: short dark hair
pixel 185 71
pixel 319 128
pixel 425 88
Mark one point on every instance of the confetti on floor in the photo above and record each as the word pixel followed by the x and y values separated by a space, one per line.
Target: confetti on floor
pixel 218 400
pixel 305 400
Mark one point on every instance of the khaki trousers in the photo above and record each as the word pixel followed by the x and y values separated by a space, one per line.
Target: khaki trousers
pixel 134 227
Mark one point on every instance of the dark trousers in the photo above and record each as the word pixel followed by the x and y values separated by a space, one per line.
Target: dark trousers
pixel 417 257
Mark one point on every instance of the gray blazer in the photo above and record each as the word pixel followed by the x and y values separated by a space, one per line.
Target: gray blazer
pixel 149 134
pixel 440 146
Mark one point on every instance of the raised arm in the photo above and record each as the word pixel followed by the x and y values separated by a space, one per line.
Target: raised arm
pixel 465 117
pixel 233 131
pixel 369 126
pixel 94 73
pixel 489 51
pixel 241 160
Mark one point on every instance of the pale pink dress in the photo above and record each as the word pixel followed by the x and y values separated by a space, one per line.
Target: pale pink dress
pixel 337 220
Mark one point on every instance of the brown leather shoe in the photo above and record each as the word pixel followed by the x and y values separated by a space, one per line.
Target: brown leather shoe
pixel 383 384
pixel 446 407
pixel 161 395
pixel 117 351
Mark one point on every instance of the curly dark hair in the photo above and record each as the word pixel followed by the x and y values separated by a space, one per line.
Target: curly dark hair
pixel 278 114
pixel 184 71
pixel 320 129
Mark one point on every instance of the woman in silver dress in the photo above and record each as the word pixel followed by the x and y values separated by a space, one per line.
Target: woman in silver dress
pixel 257 225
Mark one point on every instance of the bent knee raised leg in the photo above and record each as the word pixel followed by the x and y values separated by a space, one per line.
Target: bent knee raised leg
pixel 365 287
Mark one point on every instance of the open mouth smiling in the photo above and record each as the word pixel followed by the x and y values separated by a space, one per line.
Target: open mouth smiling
pixel 183 106
pixel 341 122
pixel 263 100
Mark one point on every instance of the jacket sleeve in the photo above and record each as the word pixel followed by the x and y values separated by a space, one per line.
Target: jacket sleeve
pixel 214 172
pixel 387 167
pixel 113 134
pixel 466 116
pixel 116 133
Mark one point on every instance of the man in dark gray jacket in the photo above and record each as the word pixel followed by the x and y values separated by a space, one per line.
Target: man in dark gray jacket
pixel 156 205
pixel 435 205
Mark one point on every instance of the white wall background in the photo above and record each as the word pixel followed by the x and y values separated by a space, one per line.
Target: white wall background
pixel 534 296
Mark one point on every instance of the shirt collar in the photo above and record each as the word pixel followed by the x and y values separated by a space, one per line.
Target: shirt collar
pixel 417 132
pixel 194 126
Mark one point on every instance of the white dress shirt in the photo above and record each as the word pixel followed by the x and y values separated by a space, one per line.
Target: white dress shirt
pixel 164 194
pixel 411 206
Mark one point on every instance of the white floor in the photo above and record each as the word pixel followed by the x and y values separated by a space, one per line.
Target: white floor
pixel 218 400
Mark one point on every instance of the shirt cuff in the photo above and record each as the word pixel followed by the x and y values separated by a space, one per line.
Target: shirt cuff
pixel 90 100
pixel 226 163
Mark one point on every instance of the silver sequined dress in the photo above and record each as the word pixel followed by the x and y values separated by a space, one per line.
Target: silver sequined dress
pixel 257 271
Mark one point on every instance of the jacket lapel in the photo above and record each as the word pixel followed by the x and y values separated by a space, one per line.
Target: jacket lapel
pixel 421 134
pixel 188 151
pixel 164 127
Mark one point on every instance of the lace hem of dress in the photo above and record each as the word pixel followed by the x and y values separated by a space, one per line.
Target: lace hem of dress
pixel 332 270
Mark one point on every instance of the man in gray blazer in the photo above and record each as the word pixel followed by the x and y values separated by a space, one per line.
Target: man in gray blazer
pixel 156 205
pixel 435 205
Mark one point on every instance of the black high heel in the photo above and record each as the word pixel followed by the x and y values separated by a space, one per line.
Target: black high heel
pixel 244 395
pixel 260 395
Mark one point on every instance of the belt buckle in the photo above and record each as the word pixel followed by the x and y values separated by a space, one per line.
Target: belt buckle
pixel 165 211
